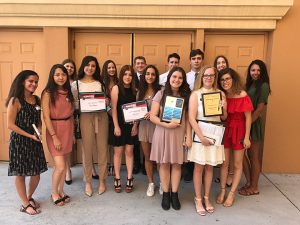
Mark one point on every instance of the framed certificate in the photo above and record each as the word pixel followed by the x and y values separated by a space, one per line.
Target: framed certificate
pixel 212 104
pixel 172 109
pixel 92 101
pixel 134 111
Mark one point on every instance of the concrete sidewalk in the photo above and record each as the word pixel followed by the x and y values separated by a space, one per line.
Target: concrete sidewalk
pixel 277 203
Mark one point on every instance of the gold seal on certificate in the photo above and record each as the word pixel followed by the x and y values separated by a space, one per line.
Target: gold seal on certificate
pixel 134 111
pixel 172 109
pixel 92 101
pixel 212 104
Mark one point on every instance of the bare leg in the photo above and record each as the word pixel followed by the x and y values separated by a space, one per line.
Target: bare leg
pixel 33 183
pixel 68 168
pixel 223 176
pixel 129 159
pixel 207 186
pixel 164 174
pixel 148 164
pixel 231 170
pixel 57 176
pixel 197 177
pixel 255 166
pixel 238 170
pixel 247 169
pixel 175 176
pixel 62 183
pixel 118 152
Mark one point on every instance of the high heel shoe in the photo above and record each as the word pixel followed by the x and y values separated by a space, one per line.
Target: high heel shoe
pixel 221 196
pixel 117 184
pixel 229 203
pixel 199 206
pixel 209 209
pixel 68 182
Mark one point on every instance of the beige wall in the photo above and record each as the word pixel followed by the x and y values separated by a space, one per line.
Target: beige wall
pixel 281 150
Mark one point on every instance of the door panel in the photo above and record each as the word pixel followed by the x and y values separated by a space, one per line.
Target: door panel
pixel 156 47
pixel 239 49
pixel 104 46
pixel 19 50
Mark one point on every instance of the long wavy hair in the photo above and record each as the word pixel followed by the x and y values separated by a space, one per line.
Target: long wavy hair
pixel 263 78
pixel 74 75
pixel 52 87
pixel 143 85
pixel 221 56
pixel 16 90
pixel 236 80
pixel 199 78
pixel 85 61
pixel 106 77
pixel 121 82
pixel 184 90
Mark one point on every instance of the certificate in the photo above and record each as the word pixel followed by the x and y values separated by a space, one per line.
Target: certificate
pixel 134 111
pixel 210 131
pixel 212 104
pixel 92 101
pixel 172 109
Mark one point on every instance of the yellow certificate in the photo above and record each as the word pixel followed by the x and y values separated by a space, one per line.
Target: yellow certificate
pixel 212 104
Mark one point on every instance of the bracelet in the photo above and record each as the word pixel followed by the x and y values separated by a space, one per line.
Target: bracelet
pixel 52 134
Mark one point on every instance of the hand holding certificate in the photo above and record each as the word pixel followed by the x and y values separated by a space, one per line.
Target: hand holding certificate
pixel 212 104
pixel 134 111
pixel 37 132
pixel 212 132
pixel 92 101
pixel 172 109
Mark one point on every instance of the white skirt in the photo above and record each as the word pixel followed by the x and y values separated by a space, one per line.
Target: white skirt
pixel 203 155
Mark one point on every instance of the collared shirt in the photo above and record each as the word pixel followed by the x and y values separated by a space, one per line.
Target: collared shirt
pixel 190 78
pixel 163 78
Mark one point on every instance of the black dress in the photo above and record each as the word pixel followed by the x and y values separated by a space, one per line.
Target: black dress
pixel 26 156
pixel 125 138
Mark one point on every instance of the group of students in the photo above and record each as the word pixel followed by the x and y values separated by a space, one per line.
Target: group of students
pixel 169 144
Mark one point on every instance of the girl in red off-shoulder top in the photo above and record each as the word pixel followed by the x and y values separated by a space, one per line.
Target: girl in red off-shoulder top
pixel 237 132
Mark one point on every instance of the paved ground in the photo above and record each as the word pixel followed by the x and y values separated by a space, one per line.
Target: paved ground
pixel 278 203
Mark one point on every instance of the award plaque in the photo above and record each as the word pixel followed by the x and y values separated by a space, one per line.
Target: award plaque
pixel 134 111
pixel 92 101
pixel 212 104
pixel 172 109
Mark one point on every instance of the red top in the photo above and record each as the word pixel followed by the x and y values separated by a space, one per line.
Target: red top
pixel 235 123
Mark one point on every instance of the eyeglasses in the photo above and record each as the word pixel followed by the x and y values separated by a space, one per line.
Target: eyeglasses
pixel 226 79
pixel 211 76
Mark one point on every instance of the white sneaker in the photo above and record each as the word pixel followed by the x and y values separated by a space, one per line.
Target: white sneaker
pixel 160 189
pixel 150 189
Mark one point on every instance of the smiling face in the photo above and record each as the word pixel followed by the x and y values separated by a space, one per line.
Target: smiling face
pixel 176 80
pixel 111 69
pixel 70 68
pixel 59 77
pixel 255 72
pixel 150 76
pixel 127 78
pixel 31 83
pixel 208 78
pixel 226 82
pixel 173 62
pixel 139 65
pixel 90 68
pixel 221 63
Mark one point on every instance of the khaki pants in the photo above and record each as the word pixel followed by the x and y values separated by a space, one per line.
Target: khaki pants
pixel 94 132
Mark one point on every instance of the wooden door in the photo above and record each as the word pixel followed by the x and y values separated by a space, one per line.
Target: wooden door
pixel 156 47
pixel 19 50
pixel 240 49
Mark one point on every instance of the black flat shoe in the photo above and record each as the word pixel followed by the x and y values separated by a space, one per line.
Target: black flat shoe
pixel 175 201
pixel 96 177
pixel 68 182
pixel 166 200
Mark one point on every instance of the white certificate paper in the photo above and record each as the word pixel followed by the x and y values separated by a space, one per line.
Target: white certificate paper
pixel 134 111
pixel 211 131
pixel 92 101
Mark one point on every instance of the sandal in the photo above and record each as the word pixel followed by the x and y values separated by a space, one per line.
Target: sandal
pixel 66 198
pixel 57 202
pixel 34 203
pixel 228 203
pixel 221 196
pixel 199 206
pixel 25 208
pixel 117 184
pixel 129 185
pixel 209 209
